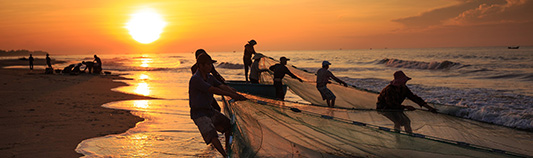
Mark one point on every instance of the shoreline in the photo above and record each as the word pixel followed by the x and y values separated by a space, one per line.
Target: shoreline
pixel 49 115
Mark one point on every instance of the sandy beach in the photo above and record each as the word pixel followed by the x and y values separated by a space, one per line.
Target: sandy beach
pixel 48 115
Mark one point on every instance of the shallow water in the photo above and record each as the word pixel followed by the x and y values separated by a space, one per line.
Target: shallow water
pixel 495 83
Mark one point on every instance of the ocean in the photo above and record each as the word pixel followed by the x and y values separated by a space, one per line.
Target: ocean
pixel 494 83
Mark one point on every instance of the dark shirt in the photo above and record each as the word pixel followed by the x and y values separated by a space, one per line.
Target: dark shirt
pixel 214 72
pixel 391 97
pixel 280 71
pixel 248 51
pixel 31 59
pixel 200 99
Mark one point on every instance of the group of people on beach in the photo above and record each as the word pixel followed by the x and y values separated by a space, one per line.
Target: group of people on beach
pixel 206 81
pixel 94 66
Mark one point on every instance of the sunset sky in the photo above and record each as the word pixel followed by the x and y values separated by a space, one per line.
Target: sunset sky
pixel 99 26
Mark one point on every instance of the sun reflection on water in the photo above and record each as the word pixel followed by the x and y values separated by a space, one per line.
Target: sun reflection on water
pixel 141 103
pixel 145 62
pixel 143 89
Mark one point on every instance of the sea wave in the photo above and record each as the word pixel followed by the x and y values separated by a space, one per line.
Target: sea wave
pixel 228 65
pixel 420 64
pixel 485 105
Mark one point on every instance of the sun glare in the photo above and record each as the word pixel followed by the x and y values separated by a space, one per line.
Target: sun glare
pixel 145 26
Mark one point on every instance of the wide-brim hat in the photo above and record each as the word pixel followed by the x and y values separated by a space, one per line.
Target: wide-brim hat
pixel 324 63
pixel 399 76
pixel 204 58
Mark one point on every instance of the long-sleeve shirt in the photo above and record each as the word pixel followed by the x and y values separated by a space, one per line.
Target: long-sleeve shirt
pixel 214 72
pixel 280 71
pixel 391 97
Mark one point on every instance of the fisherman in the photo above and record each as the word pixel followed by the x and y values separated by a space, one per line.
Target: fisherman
pixel 213 72
pixel 279 72
pixel 247 58
pixel 390 102
pixel 202 86
pixel 255 72
pixel 322 79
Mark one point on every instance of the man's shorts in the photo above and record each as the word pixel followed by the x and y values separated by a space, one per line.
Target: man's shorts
pixel 209 126
pixel 398 117
pixel 326 93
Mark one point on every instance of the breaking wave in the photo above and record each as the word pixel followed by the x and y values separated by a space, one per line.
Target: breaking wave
pixel 420 64
pixel 228 65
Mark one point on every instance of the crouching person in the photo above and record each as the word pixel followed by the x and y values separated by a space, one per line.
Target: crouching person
pixel 202 86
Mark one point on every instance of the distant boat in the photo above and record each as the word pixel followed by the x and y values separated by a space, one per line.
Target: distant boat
pixel 513 47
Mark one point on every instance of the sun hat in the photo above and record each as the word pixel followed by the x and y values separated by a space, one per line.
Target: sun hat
pixel 399 75
pixel 284 58
pixel 204 58
pixel 324 63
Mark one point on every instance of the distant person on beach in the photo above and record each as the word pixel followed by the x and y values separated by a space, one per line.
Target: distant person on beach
pixel 322 79
pixel 97 65
pixel 213 72
pixel 48 61
pixel 390 102
pixel 247 58
pixel 31 61
pixel 279 72
pixel 76 70
pixel 67 69
pixel 255 72
pixel 88 65
pixel 202 86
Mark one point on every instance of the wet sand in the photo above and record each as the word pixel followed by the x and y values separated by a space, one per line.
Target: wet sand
pixel 48 115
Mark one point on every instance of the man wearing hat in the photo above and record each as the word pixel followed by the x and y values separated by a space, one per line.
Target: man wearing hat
pixel 255 72
pixel 213 72
pixel 202 86
pixel 322 79
pixel 247 58
pixel 279 72
pixel 390 102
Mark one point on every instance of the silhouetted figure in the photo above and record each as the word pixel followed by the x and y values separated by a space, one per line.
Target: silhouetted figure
pixel 279 72
pixel 67 69
pixel 247 58
pixel 213 72
pixel 202 86
pixel 255 72
pixel 322 79
pixel 30 59
pixel 88 65
pixel 48 61
pixel 390 102
pixel 97 65
pixel 76 70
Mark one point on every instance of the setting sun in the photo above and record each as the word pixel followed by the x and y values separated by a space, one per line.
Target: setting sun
pixel 145 26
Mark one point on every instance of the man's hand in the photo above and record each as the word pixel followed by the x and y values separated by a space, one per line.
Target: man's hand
pixel 410 108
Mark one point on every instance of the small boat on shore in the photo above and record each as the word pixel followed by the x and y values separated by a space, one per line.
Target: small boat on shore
pixel 263 90
pixel 513 47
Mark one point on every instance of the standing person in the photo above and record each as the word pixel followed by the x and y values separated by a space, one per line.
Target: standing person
pixel 213 72
pixel 247 58
pixel 255 72
pixel 322 79
pixel 97 65
pixel 48 61
pixel 31 61
pixel 390 102
pixel 202 86
pixel 279 72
